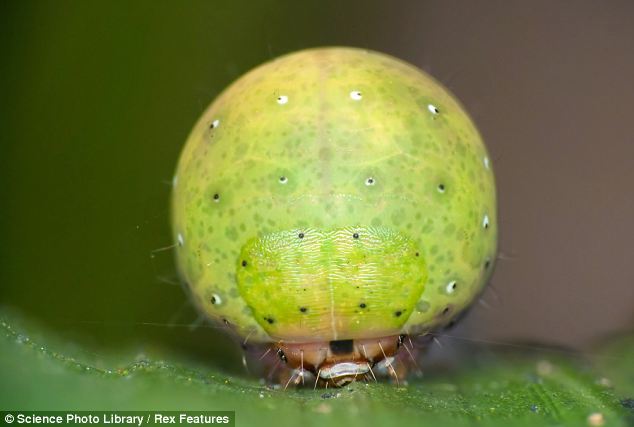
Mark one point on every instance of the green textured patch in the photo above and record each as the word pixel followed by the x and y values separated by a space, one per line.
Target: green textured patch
pixel 615 358
pixel 348 283
pixel 501 389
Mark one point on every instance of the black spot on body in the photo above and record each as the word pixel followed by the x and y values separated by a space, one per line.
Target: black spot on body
pixel 270 320
pixel 398 313
pixel 445 311
pixel 303 309
pixel 300 235
pixel 487 264
pixel 417 254
pixel 214 300
pixel 355 235
pixel 441 187
pixel 362 305
pixel 216 196
pixel 281 355
pixel 244 262
pixel 341 346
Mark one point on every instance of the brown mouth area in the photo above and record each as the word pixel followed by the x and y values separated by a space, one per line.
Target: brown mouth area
pixel 340 362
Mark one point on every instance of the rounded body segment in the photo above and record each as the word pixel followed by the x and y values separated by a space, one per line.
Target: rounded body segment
pixel 334 194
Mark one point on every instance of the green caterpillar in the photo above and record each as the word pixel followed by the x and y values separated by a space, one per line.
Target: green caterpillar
pixel 330 202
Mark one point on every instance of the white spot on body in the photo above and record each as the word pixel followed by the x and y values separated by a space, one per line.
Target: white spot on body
pixel 355 95
pixel 215 124
pixel 282 99
pixel 451 287
pixel 283 180
pixel 486 162
pixel 433 109
pixel 181 240
pixel 215 299
pixel 174 180
pixel 485 221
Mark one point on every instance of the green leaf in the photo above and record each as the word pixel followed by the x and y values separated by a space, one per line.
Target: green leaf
pixel 615 359
pixel 492 388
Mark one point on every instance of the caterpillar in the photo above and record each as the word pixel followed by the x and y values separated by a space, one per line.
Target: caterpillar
pixel 331 202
